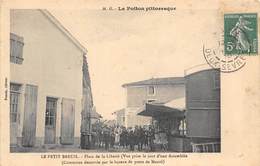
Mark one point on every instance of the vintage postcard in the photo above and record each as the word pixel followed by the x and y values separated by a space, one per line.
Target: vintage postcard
pixel 130 83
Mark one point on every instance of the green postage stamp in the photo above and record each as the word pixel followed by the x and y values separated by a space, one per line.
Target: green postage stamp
pixel 240 34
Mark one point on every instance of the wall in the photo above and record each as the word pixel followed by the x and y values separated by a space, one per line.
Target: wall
pixel 138 95
pixel 132 119
pixel 51 61
pixel 203 105
pixel 120 117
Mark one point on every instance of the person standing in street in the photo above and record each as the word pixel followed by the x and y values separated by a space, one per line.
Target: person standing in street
pixel 112 139
pixel 106 138
pixel 117 133
pixel 151 137
pixel 131 140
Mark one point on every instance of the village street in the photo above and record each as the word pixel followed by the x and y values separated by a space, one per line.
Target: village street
pixel 52 107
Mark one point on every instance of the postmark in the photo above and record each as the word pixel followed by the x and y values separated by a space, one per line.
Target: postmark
pixel 214 56
pixel 240 34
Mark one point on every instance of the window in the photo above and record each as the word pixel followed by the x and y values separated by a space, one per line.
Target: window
pixel 14 102
pixel 151 90
pixel 16 49
pixel 50 115
pixel 217 80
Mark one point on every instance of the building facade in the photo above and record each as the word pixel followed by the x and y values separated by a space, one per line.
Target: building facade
pixel 203 110
pixel 155 90
pixel 191 123
pixel 46 81
pixel 120 117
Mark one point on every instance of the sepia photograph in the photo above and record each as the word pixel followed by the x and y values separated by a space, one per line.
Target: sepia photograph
pixel 162 83
pixel 100 81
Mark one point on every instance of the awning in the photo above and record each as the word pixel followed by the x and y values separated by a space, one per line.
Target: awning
pixel 177 103
pixel 174 108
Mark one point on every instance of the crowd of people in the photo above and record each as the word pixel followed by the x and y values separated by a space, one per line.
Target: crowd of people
pixel 119 137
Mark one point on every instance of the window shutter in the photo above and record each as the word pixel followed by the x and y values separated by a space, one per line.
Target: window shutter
pixel 16 49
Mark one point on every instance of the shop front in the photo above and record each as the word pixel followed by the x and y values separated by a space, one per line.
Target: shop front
pixel 169 125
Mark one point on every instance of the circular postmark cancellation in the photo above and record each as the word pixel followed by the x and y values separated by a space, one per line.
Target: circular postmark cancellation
pixel 216 59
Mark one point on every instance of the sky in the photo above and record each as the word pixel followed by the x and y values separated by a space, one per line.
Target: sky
pixel 126 47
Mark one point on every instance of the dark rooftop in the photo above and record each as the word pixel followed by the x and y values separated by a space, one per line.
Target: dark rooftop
pixel 158 81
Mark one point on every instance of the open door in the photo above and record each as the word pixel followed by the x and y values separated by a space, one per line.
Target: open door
pixel 50 120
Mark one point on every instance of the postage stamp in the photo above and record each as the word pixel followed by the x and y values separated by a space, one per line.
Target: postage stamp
pixel 240 34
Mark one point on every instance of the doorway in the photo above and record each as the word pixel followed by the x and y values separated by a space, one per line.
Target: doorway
pixel 50 120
